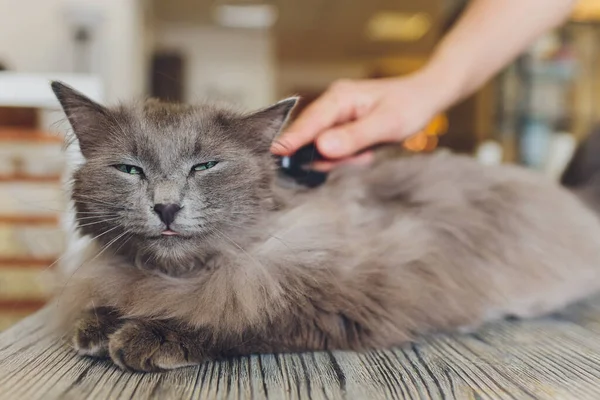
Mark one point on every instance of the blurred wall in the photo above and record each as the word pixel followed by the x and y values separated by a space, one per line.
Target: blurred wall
pixel 237 65
pixel 36 36
pixel 295 76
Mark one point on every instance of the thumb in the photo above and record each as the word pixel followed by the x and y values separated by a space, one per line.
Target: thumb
pixel 320 115
pixel 348 139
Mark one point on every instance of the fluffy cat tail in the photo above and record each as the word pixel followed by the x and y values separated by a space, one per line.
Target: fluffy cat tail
pixel 582 174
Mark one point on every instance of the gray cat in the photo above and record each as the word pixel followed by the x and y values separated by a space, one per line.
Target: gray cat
pixel 197 254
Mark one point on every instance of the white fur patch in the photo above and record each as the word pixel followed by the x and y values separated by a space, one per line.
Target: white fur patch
pixel 91 351
pixel 76 244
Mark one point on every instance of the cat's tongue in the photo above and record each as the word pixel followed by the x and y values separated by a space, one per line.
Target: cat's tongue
pixel 169 232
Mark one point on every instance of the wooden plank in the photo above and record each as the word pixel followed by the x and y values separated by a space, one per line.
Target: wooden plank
pixel 9 318
pixel 29 135
pixel 22 305
pixel 19 283
pixel 24 117
pixel 25 262
pixel 29 179
pixel 550 358
pixel 32 220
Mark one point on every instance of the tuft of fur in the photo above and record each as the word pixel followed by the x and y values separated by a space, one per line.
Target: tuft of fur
pixel 582 174
pixel 371 259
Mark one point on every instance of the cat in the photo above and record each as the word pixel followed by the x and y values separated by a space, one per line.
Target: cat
pixel 585 162
pixel 582 173
pixel 196 253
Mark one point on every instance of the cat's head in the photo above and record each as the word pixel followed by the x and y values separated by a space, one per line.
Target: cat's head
pixel 160 180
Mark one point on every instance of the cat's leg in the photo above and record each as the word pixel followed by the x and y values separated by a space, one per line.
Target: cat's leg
pixel 163 345
pixel 155 346
pixel 91 331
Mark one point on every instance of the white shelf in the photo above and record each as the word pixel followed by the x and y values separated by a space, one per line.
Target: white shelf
pixel 33 90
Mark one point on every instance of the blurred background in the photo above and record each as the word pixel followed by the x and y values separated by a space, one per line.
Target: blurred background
pixel 253 53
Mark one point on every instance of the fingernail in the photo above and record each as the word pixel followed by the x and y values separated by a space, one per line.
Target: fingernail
pixel 278 147
pixel 331 144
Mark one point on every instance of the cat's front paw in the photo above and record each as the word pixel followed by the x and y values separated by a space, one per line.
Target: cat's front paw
pixel 91 331
pixel 151 347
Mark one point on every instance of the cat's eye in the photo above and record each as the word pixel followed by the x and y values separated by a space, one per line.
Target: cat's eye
pixel 129 169
pixel 204 166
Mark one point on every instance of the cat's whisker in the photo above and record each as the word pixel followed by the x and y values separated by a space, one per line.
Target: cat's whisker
pixel 65 254
pixel 83 198
pixel 54 262
pixel 92 259
pixel 92 213
pixel 95 213
pixel 97 203
pixel 124 241
pixel 280 241
pixel 109 244
pixel 98 222
pixel 108 207
pixel 93 199
pixel 105 208
pixel 87 196
pixel 97 217
pixel 89 212
pixel 104 233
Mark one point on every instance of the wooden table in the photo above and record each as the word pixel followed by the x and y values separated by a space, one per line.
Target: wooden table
pixel 556 357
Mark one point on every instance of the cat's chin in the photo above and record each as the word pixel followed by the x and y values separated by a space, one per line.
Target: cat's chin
pixel 171 255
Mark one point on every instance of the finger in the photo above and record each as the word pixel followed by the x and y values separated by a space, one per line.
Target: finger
pixel 364 158
pixel 322 114
pixel 348 139
pixel 321 166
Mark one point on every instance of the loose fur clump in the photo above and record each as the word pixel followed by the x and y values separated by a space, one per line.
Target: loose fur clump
pixel 240 265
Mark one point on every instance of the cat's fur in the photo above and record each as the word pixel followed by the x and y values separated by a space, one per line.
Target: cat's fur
pixel 585 163
pixel 374 257
pixel 582 174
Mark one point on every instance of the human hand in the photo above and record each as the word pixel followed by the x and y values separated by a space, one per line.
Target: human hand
pixel 355 115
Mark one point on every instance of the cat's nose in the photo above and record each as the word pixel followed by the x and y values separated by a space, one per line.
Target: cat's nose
pixel 167 212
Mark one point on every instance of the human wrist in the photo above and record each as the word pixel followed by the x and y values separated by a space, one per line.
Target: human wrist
pixel 445 86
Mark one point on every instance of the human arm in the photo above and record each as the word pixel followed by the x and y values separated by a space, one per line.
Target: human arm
pixel 353 115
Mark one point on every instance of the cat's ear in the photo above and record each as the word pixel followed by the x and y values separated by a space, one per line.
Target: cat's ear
pixel 87 118
pixel 269 121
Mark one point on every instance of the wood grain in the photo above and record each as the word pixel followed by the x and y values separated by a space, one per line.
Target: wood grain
pixel 31 220
pixel 26 262
pixel 556 357
pixel 28 135
pixel 22 305
pixel 19 177
pixel 19 283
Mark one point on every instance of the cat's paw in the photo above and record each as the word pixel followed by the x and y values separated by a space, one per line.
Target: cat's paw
pixel 151 347
pixel 91 331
